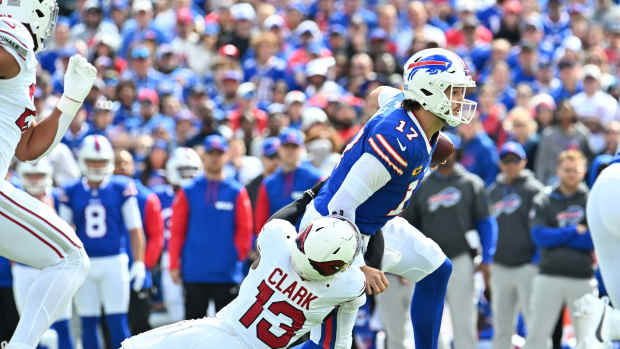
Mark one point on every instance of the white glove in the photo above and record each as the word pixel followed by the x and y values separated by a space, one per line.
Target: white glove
pixel 137 273
pixel 79 79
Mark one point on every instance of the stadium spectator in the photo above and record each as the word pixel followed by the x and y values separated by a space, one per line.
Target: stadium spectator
pixel 141 70
pixel 142 27
pixel 521 128
pixel 93 23
pixel 479 154
pixel 569 82
pixel 243 168
pixel 594 108
pixel 569 133
pixel 211 208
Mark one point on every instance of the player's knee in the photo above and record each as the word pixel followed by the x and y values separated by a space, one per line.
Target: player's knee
pixel 79 262
pixel 444 271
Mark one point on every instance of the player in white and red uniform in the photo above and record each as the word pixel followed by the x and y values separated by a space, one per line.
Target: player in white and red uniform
pixel 36 180
pixel 30 231
pixel 298 281
pixel 599 323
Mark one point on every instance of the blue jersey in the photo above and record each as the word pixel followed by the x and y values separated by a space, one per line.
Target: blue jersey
pixel 397 140
pixel 165 193
pixel 97 214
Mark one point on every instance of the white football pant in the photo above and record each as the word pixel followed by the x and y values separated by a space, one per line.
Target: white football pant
pixel 205 333
pixel 107 285
pixel 32 234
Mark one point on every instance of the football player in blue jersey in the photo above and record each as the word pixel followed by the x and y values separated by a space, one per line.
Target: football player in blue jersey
pixel 597 323
pixel 36 180
pixel 182 167
pixel 153 226
pixel 380 170
pixel 103 209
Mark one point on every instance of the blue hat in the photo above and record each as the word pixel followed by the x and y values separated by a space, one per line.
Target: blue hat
pixel 120 4
pixel 270 146
pixel 512 148
pixel 378 34
pixel 215 142
pixel 291 136
pixel 140 52
pixel 337 29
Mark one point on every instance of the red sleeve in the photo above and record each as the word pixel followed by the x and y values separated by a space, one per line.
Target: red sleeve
pixel 261 212
pixel 154 228
pixel 178 228
pixel 243 224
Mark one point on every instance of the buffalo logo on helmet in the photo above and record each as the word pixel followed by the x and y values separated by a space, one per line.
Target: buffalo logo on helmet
pixel 432 64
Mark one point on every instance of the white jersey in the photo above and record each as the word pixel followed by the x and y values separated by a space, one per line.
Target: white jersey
pixel 17 110
pixel 275 307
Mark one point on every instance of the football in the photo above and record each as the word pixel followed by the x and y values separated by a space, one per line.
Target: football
pixel 444 148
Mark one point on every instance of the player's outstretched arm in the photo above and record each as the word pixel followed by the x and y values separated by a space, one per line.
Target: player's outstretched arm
pixel 39 139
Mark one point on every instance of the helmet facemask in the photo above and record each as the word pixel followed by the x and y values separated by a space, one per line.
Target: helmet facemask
pixel 98 173
pixel 462 110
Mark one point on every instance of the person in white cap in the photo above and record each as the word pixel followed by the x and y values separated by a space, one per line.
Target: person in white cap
pixel 595 108
pixel 244 15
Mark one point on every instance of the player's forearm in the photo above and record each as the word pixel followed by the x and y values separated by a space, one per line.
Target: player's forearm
pixel 39 138
pixel 487 229
pixel 138 244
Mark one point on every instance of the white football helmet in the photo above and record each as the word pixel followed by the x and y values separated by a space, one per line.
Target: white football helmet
pixel 37 15
pixel 96 147
pixel 325 247
pixel 36 186
pixel 427 75
pixel 183 166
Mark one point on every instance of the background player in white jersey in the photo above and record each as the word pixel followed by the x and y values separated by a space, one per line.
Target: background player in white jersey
pixel 297 281
pixel 104 210
pixel 598 322
pixel 36 180
pixel 30 231
pixel 181 168
pixel 381 168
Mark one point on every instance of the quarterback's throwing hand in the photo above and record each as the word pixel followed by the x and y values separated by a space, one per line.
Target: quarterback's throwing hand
pixel 376 282
pixel 79 78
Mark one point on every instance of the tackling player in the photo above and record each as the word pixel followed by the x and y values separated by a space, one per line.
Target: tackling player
pixel 30 231
pixel 297 281
pixel 597 322
pixel 382 166
pixel 104 208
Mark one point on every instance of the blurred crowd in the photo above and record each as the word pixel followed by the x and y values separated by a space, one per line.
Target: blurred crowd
pixel 295 74
pixel 173 72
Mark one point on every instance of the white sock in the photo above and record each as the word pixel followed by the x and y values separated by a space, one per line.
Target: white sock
pixel 48 297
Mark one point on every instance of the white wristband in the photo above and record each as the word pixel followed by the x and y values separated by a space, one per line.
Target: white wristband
pixel 68 105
